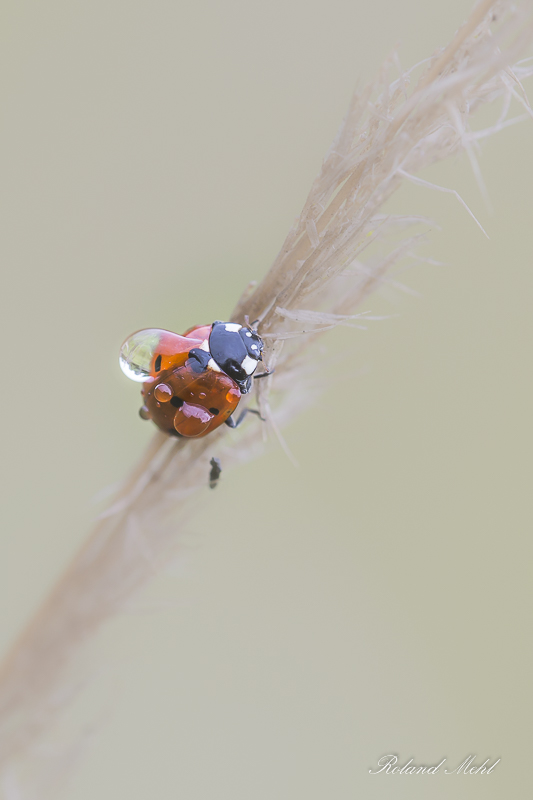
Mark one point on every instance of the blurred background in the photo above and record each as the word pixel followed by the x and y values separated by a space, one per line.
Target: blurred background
pixel 154 157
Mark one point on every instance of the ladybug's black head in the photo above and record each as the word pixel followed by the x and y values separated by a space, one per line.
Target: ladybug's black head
pixel 237 351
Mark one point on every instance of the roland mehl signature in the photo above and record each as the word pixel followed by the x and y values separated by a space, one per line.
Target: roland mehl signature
pixel 389 765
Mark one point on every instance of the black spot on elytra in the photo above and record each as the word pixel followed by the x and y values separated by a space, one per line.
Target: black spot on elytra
pixel 177 402
pixel 214 411
pixel 157 365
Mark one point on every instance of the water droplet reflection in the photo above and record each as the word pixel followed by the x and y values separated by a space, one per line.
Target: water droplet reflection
pixel 137 352
pixel 163 392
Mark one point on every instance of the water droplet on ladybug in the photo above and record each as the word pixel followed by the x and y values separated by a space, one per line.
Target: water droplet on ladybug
pixel 163 393
pixel 144 413
pixel 192 420
pixel 202 395
pixel 137 352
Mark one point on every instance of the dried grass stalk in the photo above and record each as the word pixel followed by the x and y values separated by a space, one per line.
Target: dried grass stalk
pixel 390 132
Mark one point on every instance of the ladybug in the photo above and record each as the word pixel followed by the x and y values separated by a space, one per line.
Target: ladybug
pixel 192 383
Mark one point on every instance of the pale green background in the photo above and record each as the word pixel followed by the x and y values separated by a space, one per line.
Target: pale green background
pixel 378 599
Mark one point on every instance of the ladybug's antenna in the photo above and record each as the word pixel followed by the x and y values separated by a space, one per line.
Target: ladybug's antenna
pixel 250 326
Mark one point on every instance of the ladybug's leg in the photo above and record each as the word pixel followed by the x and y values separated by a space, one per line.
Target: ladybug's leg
pixel 232 423
pixel 264 374
pixel 214 474
pixel 199 359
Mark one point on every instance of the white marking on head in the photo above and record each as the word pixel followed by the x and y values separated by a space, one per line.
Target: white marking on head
pixel 248 334
pixel 212 364
pixel 254 347
pixel 204 345
pixel 249 365
pixel 233 326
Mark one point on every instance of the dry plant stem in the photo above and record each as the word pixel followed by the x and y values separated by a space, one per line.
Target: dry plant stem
pixel 317 281
pixel 298 247
pixel 74 609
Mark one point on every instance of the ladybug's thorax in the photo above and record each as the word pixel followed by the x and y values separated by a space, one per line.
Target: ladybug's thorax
pixel 236 350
